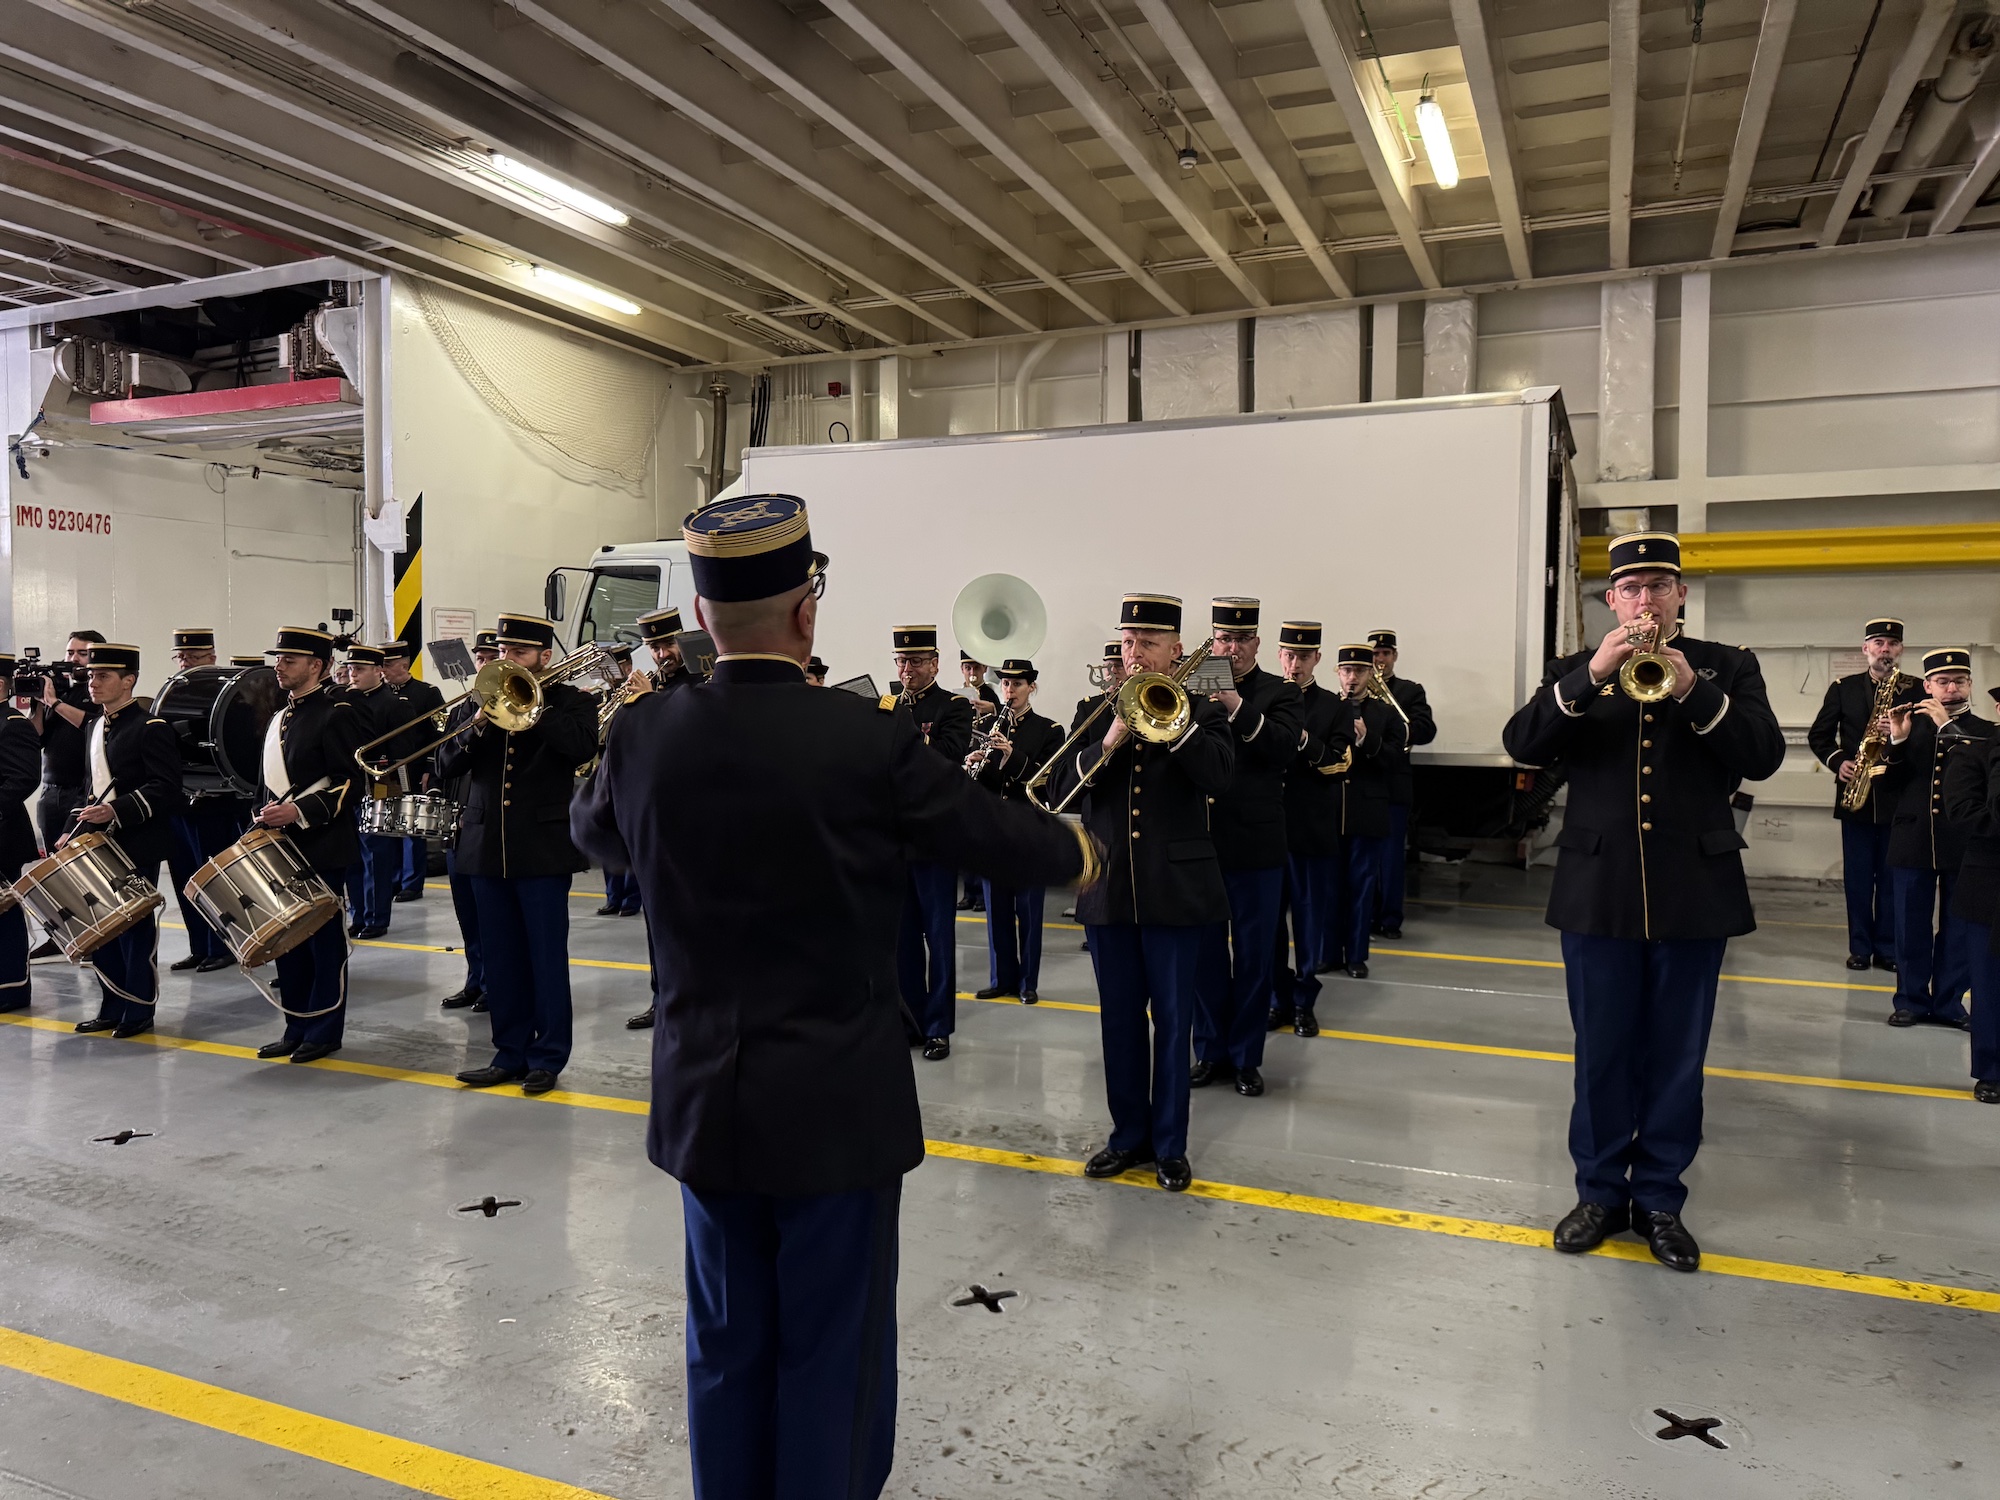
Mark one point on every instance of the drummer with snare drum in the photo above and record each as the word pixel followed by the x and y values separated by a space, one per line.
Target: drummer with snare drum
pixel 213 821
pixel 308 784
pixel 132 770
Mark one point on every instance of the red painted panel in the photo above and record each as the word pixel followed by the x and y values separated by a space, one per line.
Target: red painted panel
pixel 323 392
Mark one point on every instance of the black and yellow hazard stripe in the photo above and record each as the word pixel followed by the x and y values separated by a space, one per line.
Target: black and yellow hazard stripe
pixel 407 603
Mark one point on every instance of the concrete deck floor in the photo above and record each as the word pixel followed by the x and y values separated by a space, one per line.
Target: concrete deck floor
pixel 290 1233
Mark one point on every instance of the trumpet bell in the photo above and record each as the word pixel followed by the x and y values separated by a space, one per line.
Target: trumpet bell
pixel 997 617
pixel 1646 676
pixel 508 695
pixel 1154 707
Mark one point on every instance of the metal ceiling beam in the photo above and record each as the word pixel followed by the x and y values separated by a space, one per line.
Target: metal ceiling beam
pixel 75 192
pixel 1959 198
pixel 1930 24
pixel 188 293
pixel 1491 109
pixel 149 71
pixel 1771 40
pixel 926 52
pixel 1624 125
pixel 361 53
pixel 81 232
pixel 1381 148
pixel 808 69
pixel 1104 107
pixel 17 271
pixel 1202 50
pixel 34 252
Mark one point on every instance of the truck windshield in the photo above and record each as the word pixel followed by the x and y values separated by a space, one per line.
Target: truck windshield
pixel 618 596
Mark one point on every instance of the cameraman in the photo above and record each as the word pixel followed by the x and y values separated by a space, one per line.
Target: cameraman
pixel 62 720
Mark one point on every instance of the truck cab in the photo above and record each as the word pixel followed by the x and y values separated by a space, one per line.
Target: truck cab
pixel 602 602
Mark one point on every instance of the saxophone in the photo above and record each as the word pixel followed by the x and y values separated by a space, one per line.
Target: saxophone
pixel 1871 755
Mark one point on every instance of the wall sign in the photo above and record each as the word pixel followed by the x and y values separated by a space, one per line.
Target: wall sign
pixel 453 624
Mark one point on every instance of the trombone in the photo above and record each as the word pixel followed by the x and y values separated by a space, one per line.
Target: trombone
pixel 1155 707
pixel 509 697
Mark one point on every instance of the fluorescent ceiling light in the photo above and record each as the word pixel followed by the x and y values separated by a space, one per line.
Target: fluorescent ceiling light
pixel 1437 142
pixel 562 192
pixel 560 285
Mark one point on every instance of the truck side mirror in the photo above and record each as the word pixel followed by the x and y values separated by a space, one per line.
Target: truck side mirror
pixel 554 588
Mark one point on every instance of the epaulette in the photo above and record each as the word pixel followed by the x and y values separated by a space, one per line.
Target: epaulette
pixel 886 703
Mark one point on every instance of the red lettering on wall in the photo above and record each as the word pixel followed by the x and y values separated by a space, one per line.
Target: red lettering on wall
pixel 89 522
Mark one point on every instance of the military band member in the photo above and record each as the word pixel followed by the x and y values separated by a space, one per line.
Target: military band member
pixel 134 765
pixel 1972 802
pixel 1422 729
pixel 816 672
pixel 1313 798
pixel 308 795
pixel 1925 846
pixel 1649 889
pixel 63 720
pixel 973 673
pixel 472 994
pixel 1365 789
pixel 1835 735
pixel 1021 743
pixel 1112 669
pixel 1162 891
pixel 621 890
pixel 513 841
pixel 20 774
pixel 377 869
pixel 1247 822
pixel 246 661
pixel 927 951
pixel 417 697
pixel 213 821
pixel 769 825
pixel 660 631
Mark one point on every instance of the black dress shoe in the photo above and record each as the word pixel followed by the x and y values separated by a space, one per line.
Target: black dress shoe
pixel 478 1007
pixel 1249 1082
pixel 1202 1074
pixel 131 1029
pixel 631 911
pixel 486 1078
pixel 1175 1174
pixel 1886 965
pixel 538 1081
pixel 314 1051
pixel 994 992
pixel 1672 1246
pixel 1109 1163
pixel 371 932
pixel 277 1049
pixel 213 962
pixel 181 965
pixel 1902 1018
pixel 1328 968
pixel 1857 961
pixel 96 1023
pixel 1306 1025
pixel 937 1048
pixel 607 911
pixel 1357 971
pixel 641 1022
pixel 1589 1225
pixel 44 951
pixel 1987 1091
pixel 1029 997
pixel 964 903
pixel 354 929
pixel 412 895
pixel 1953 1023
pixel 461 999
pixel 7 1006
pixel 1394 934
pixel 1277 1020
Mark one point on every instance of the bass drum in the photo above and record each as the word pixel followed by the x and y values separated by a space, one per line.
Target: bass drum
pixel 219 716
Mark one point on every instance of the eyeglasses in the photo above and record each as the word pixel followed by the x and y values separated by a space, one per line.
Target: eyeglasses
pixel 1659 588
pixel 819 584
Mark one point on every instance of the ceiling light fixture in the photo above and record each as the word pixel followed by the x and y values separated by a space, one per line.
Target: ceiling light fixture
pixel 562 192
pixel 573 290
pixel 1437 141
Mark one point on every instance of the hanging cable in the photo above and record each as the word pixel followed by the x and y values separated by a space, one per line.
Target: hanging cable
pixel 1687 97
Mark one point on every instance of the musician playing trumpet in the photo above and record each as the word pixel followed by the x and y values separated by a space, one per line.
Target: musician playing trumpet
pixel 1366 789
pixel 1019 742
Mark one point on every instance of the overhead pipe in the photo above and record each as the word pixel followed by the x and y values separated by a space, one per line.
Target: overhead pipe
pixel 1964 65
pixel 1021 376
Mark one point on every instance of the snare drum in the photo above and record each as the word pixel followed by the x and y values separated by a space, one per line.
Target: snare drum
pixel 383 817
pixel 86 894
pixel 421 815
pixel 9 897
pixel 262 896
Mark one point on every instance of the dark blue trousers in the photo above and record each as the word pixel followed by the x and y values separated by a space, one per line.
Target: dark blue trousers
pixel 467 911
pixel 1931 975
pixel 1013 937
pixel 927 948
pixel 313 977
pixel 621 891
pixel 1146 973
pixel 1311 881
pixel 1353 905
pixel 198 837
pixel 13 960
pixel 524 940
pixel 1642 1012
pixel 128 974
pixel 1389 883
pixel 791 1342
pixel 1864 875
pixel 408 872
pixel 1976 939
pixel 1232 1007
pixel 380 865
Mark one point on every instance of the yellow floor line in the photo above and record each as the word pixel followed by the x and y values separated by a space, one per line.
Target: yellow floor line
pixel 430 1471
pixel 1936 1294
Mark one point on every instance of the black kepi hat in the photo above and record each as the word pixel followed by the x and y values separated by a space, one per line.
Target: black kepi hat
pixel 1645 551
pixel 1019 667
pixel 113 654
pixel 750 547
pixel 7 660
pixel 246 661
pixel 1150 612
pixel 302 640
pixel 1887 628
pixel 1300 635
pixel 194 638
pixel 1952 659
pixel 660 625
pixel 486 640
pixel 1114 651
pixel 1382 640
pixel 398 650
pixel 1234 614
pixel 1362 655
pixel 914 637
pixel 526 630
pixel 815 667
pixel 359 655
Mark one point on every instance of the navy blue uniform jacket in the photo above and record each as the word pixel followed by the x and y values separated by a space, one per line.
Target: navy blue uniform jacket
pixel 770 824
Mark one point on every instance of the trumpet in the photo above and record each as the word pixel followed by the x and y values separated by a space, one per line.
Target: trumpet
pixel 509 698
pixel 1155 707
pixel 1377 686
pixel 1647 675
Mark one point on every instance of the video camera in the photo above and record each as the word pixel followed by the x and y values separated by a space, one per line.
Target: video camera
pixel 30 672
